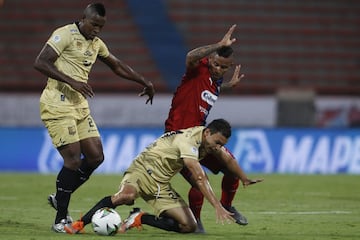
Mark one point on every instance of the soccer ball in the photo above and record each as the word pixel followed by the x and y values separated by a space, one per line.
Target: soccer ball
pixel 106 221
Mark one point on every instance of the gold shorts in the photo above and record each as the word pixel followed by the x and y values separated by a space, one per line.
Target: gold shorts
pixel 160 196
pixel 68 125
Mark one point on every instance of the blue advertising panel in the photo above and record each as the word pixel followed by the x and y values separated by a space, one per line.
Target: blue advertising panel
pixel 300 151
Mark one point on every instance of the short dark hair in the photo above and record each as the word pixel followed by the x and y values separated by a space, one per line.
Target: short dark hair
pixel 225 51
pixel 97 8
pixel 220 125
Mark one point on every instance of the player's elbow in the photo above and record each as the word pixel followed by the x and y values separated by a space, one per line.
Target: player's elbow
pixel 126 196
pixel 38 64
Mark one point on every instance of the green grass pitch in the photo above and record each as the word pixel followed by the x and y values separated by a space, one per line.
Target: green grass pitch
pixel 300 207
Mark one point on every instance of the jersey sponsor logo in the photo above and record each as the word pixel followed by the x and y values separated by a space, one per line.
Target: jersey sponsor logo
pixel 208 97
pixel 203 110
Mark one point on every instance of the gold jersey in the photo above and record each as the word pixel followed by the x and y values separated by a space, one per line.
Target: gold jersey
pixel 164 158
pixel 76 57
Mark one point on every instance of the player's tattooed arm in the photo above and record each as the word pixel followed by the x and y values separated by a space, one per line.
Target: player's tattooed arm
pixel 194 56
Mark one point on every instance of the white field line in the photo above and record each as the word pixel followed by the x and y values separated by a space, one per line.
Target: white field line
pixel 304 213
pixel 8 198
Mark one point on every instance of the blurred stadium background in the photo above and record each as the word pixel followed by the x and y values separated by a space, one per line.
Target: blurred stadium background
pixel 301 60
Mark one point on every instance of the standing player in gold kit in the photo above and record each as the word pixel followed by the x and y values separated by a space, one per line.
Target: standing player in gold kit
pixel 66 59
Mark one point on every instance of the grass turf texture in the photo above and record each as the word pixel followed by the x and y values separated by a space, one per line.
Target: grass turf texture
pixel 282 207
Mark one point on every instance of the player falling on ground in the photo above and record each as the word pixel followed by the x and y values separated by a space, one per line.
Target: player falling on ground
pixel 191 103
pixel 66 59
pixel 149 177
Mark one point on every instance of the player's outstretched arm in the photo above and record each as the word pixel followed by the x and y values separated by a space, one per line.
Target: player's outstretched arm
pixel 194 56
pixel 232 167
pixel 123 70
pixel 204 186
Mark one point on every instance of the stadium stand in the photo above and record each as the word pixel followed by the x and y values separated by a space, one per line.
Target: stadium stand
pixel 26 25
pixel 281 44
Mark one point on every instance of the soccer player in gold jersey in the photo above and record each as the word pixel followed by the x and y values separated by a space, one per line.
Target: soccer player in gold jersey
pixel 66 59
pixel 149 177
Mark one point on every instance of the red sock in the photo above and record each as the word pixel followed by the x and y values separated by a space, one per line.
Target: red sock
pixel 196 200
pixel 229 186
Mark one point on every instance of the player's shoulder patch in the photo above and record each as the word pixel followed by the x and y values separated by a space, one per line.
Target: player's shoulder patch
pixel 56 38
pixel 194 150
pixel 62 33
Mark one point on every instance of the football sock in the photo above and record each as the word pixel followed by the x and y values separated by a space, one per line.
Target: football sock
pixel 229 187
pixel 64 185
pixel 196 200
pixel 84 172
pixel 105 202
pixel 164 223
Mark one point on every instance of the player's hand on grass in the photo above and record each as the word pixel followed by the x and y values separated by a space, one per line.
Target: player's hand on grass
pixel 248 182
pixel 223 216
pixel 150 91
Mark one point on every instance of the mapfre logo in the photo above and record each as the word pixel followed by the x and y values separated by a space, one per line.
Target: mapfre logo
pixel 209 97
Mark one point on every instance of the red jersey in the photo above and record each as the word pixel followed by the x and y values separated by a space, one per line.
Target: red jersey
pixel 193 99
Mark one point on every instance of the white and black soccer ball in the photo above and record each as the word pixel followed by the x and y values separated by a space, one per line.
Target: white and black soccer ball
pixel 106 221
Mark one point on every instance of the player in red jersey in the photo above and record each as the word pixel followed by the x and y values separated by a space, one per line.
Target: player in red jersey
pixel 191 103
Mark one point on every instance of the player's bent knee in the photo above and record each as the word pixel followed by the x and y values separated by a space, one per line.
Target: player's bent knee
pixel 188 228
pixel 72 164
pixel 97 160
pixel 187 225
pixel 123 199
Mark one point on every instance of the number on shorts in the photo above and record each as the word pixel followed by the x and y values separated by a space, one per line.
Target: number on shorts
pixel 91 122
pixel 173 194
